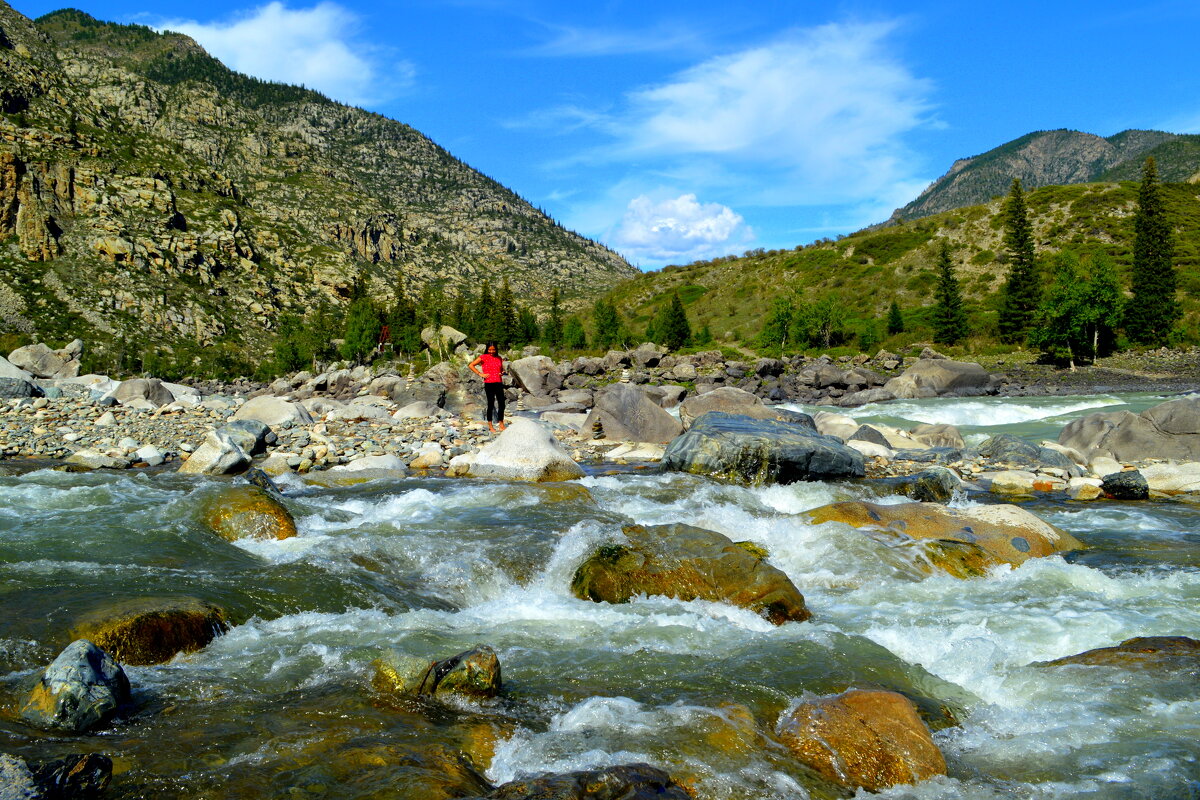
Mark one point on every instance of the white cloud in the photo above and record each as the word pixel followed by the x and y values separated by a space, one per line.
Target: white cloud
pixel 313 46
pixel 678 230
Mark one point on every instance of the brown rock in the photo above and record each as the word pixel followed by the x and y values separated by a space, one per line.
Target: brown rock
pixel 151 630
pixel 688 563
pixel 1173 653
pixel 962 542
pixel 473 673
pixel 868 739
pixel 241 511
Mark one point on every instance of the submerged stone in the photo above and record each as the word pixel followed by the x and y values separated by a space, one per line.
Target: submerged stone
pixel 82 689
pixel 622 782
pixel 472 673
pixel 689 563
pixel 151 630
pixel 237 512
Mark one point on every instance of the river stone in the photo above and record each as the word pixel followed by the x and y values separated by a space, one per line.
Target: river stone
pixel 274 411
pixel 535 374
pixel 1166 653
pixel 1127 485
pixel 688 563
pixel 151 630
pixel 236 512
pixel 1084 488
pixel 89 458
pixel 218 455
pixel 1009 449
pixel 525 451
pixel 40 361
pixel 622 782
pixel 249 434
pixel 933 485
pixel 83 688
pixel 428 457
pixel 1170 479
pixel 627 414
pixel 938 435
pixel 863 739
pixel 381 463
pixel 1168 430
pixel 937 377
pixel 728 399
pixel 473 673
pixel 16 780
pixel 416 409
pixel 866 433
pixel 150 390
pixel 76 777
pixel 759 451
pixel 964 542
pixel 13 388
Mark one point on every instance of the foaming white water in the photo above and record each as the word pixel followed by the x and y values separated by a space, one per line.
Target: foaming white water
pixel 975 412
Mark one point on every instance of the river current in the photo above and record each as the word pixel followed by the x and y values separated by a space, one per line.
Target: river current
pixel 282 705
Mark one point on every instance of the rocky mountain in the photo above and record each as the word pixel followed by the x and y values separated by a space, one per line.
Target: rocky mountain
pixel 149 194
pixel 1050 158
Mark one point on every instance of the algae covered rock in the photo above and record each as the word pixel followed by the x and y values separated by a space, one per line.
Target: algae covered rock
pixel 82 689
pixel 760 451
pixel 237 512
pixel 621 782
pixel 151 630
pixel 472 673
pixel 688 563
pixel 1162 653
pixel 963 542
pixel 863 739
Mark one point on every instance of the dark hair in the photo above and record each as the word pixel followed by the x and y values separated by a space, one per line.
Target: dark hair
pixel 490 345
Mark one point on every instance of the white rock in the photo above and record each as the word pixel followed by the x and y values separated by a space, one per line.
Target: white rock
pixel 416 410
pixel 380 463
pixel 358 411
pixel 1104 465
pixel 429 456
pixel 94 459
pixel 106 420
pixel 10 370
pixel 151 455
pixel 636 451
pixel 1172 478
pixel 871 449
pixel 460 465
pixel 525 451
pixel 274 411
pixel 219 455
pixel 128 444
pixel 1011 481
pixel 1083 488
pixel 72 437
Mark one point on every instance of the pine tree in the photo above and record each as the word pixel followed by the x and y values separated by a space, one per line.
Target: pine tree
pixel 527 326
pixel 1154 309
pixel 895 322
pixel 704 337
pixel 607 322
pixel 671 325
pixel 363 325
pixel 949 316
pixel 1021 294
pixel 404 331
pixel 574 336
pixel 552 331
pixel 505 316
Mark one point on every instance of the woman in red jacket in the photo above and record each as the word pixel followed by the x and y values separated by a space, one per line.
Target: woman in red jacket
pixel 490 366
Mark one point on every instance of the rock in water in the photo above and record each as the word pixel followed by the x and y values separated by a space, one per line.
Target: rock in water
pixel 728 399
pixel 151 630
pixel 1168 430
pixel 688 563
pixel 83 688
pixel 473 673
pixel 931 377
pixel 962 542
pixel 753 451
pixel 240 511
pixel 525 451
pixel 863 739
pixel 934 485
pixel 1128 485
pixel 622 782
pixel 1164 653
pixel 75 777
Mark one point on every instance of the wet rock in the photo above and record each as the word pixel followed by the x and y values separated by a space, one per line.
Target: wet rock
pixel 82 689
pixel 76 777
pixel 933 485
pixel 94 459
pixel 623 782
pixel 151 630
pixel 473 673
pixel 747 450
pixel 1127 485
pixel 1165 653
pixel 236 512
pixel 688 563
pixel 937 377
pixel 218 455
pixel 1008 449
pixel 627 414
pixel 863 739
pixel 962 542
pixel 16 779
pixel 525 451
pixel 727 399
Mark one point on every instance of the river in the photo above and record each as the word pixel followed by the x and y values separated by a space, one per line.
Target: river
pixel 282 705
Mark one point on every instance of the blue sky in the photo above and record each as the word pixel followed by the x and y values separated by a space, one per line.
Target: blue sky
pixel 676 131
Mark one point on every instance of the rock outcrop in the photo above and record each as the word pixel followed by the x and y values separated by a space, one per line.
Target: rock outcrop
pixel 1168 430
pixel 625 413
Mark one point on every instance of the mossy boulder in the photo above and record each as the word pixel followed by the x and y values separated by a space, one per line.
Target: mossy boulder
pixel 863 739
pixel 689 563
pixel 151 630
pixel 473 673
pixel 963 542
pixel 237 512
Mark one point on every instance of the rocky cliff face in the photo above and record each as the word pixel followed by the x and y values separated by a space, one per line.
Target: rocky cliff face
pixel 1044 158
pixel 147 193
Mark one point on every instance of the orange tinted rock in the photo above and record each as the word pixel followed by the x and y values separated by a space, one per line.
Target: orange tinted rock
pixel 241 511
pixel 1144 652
pixel 868 739
pixel 151 630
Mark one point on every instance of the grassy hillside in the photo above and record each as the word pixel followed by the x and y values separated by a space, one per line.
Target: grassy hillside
pixel 864 272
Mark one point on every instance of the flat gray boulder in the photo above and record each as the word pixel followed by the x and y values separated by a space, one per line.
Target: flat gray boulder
pixel 934 377
pixel 627 414
pixel 274 411
pixel 138 391
pixel 754 451
pixel 42 362
pixel 727 399
pixel 1168 430
pixel 525 451
pixel 11 370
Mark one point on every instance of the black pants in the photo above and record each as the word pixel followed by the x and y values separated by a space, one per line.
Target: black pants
pixel 494 392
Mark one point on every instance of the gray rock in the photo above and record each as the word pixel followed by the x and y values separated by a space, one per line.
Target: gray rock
pixel 930 377
pixel 647 354
pixel 727 399
pixel 861 398
pixel 938 435
pixel 622 782
pixel 41 362
pixel 866 433
pixel 274 411
pixel 627 414
pixel 150 390
pixel 83 688
pixel 1168 430
pixel 249 434
pixel 753 451
pixel 1009 449
pixel 12 388
pixel 525 451
pixel 582 397
pixel 219 455
pixel 1129 485
pixel 94 459
pixel 934 485
pixel 536 375
pixel 76 777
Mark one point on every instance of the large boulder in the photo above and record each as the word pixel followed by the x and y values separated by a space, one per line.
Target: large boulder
pixel 143 392
pixel 863 739
pixel 237 512
pixel 621 782
pixel 626 414
pixel 525 451
pixel 474 673
pixel 688 563
pixel 11 370
pixel 444 339
pixel 727 399
pixel 1165 653
pixel 12 388
pixel 274 411
pixel 536 375
pixel 759 451
pixel 964 542
pixel 1170 479
pixel 82 776
pixel 218 455
pixel 1126 485
pixel 934 377
pixel 83 688
pixel 250 435
pixel 151 630
pixel 42 362
pixel 1168 430
pixel 1008 449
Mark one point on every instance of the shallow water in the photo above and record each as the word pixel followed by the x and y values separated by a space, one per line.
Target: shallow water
pixel 282 705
